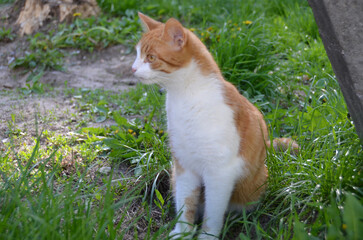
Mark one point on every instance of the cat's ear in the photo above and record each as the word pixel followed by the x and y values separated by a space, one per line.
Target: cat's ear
pixel 148 23
pixel 174 33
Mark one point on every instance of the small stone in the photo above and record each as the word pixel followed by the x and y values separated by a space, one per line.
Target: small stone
pixel 7 85
pixel 104 170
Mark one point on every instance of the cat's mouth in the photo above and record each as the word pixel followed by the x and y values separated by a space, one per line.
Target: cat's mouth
pixel 146 78
pixel 143 79
pixel 137 76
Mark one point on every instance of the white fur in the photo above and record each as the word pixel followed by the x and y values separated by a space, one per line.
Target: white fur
pixel 203 138
pixel 144 71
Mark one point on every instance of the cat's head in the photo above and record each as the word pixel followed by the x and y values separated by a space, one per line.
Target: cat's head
pixel 162 50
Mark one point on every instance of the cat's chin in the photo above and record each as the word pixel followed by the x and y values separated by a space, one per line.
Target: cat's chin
pixel 147 80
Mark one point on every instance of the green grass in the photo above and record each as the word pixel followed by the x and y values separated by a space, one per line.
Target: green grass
pixel 6 35
pixel 47 49
pixel 271 51
pixel 6 1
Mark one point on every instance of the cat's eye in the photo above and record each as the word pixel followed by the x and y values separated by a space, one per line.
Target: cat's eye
pixel 150 58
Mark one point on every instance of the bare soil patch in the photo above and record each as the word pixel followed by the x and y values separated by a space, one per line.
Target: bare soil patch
pixel 108 69
pixel 55 111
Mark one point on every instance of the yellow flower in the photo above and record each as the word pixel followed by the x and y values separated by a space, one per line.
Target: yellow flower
pixel 192 29
pixel 77 14
pixel 210 29
pixel 116 131
pixel 247 22
pixel 344 226
pixel 161 131
pixel 130 131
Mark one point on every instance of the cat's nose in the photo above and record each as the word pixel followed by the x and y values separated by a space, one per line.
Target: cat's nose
pixel 133 69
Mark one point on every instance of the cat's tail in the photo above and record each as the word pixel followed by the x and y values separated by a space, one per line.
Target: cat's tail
pixel 283 144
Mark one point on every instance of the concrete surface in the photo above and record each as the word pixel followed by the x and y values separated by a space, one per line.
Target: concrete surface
pixel 340 25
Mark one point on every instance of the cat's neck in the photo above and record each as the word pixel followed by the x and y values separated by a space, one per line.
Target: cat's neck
pixel 191 80
pixel 202 56
pixel 201 72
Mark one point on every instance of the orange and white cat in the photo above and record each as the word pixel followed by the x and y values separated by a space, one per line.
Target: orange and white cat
pixel 217 137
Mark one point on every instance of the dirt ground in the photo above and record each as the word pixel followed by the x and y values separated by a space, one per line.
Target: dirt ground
pixel 109 69
pixel 55 110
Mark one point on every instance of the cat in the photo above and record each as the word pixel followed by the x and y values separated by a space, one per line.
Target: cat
pixel 218 139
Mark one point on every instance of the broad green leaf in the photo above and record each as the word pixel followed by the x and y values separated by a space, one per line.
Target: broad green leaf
pixel 121 121
pixel 353 217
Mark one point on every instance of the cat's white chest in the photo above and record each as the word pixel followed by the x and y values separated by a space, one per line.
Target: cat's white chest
pixel 201 127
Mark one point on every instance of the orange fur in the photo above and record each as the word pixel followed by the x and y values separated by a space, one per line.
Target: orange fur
pixel 159 43
pixel 248 119
pixel 177 170
pixel 191 205
pixel 283 144
pixel 169 47
pixel 253 132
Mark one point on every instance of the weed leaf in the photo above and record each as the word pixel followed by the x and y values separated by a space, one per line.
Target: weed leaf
pixel 353 217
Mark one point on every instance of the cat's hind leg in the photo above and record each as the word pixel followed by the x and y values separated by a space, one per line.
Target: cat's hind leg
pixel 248 190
